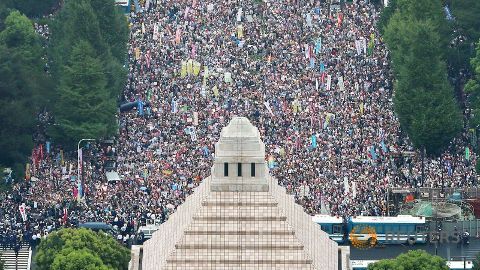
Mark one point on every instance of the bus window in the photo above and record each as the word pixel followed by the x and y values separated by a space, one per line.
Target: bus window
pixel 337 228
pixel 421 229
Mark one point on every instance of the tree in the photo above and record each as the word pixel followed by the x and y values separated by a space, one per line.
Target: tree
pixel 84 108
pixel 472 89
pixel 424 100
pixel 70 259
pixel 412 260
pixel 73 249
pixel 99 23
pixel 24 89
pixel 31 8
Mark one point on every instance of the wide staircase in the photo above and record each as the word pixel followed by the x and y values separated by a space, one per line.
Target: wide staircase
pixel 239 230
pixel 22 262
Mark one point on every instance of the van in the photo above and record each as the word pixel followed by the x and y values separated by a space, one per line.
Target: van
pixel 98 226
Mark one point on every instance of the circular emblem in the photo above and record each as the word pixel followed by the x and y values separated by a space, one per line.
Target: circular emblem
pixel 363 237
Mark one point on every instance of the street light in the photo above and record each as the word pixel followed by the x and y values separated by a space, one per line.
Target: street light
pixel 80 164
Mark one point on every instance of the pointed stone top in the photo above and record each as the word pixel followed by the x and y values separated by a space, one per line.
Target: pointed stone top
pixel 239 127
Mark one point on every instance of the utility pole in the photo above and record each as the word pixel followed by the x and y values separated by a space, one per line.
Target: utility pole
pixel 80 166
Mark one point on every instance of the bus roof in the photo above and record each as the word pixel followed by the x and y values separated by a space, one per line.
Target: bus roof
pixel 327 219
pixel 397 219
pixel 361 263
pixel 459 264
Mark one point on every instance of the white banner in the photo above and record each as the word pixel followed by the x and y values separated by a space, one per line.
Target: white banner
pixel 341 84
pixel 23 211
pixel 329 82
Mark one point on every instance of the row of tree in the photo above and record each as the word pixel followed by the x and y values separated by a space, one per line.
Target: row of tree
pixel 415 33
pixel 76 76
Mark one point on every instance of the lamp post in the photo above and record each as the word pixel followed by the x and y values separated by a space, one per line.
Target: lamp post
pixel 80 165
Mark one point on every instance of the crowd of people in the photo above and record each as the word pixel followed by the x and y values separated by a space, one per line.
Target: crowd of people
pixel 314 78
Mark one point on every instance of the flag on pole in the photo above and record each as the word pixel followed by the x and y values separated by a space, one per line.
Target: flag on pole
pixel 329 82
pixel 313 141
pixel 318 45
pixel 467 153
pixel 23 211
pixel 174 106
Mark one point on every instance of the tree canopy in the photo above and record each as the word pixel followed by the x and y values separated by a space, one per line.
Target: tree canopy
pixel 472 89
pixel 424 99
pixel 412 260
pixel 88 47
pixel 81 249
pixel 24 87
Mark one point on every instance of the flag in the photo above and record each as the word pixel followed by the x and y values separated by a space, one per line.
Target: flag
pixel 467 153
pixel 178 35
pixel 174 106
pixel 137 53
pixel 215 91
pixel 313 140
pixel 140 107
pixel 65 215
pixel 312 63
pixel 79 168
pixel 373 154
pixel 205 76
pixel 183 70
pixel 195 118
pixel 316 84
pixel 384 147
pixel 341 83
pixel 322 67
pixel 269 109
pixel 47 146
pixel 23 211
pixel 62 162
pixel 190 66
pixel 27 172
pixel 329 82
pixel 196 68
pixel 149 94
pixel 339 19
pixel 271 162
pixel 361 108
pixel 318 45
pixel 240 31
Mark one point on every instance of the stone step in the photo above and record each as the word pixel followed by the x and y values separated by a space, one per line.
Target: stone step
pixel 236 232
pixel 239 204
pixel 246 261
pixel 239 239
pixel 232 225
pixel 194 266
pixel 239 218
pixel 12 262
pixel 237 247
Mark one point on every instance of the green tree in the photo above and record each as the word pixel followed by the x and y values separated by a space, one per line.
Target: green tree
pixel 31 8
pixel 24 89
pixel 472 89
pixel 412 260
pixel 386 14
pixel 70 259
pixel 70 248
pixel 84 108
pixel 99 23
pixel 424 100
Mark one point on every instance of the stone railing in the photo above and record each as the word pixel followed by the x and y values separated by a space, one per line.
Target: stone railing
pixel 162 244
pixel 321 250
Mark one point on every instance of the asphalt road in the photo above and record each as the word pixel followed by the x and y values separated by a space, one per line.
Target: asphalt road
pixel 447 251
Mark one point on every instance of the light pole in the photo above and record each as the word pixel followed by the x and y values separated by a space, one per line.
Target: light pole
pixel 80 165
